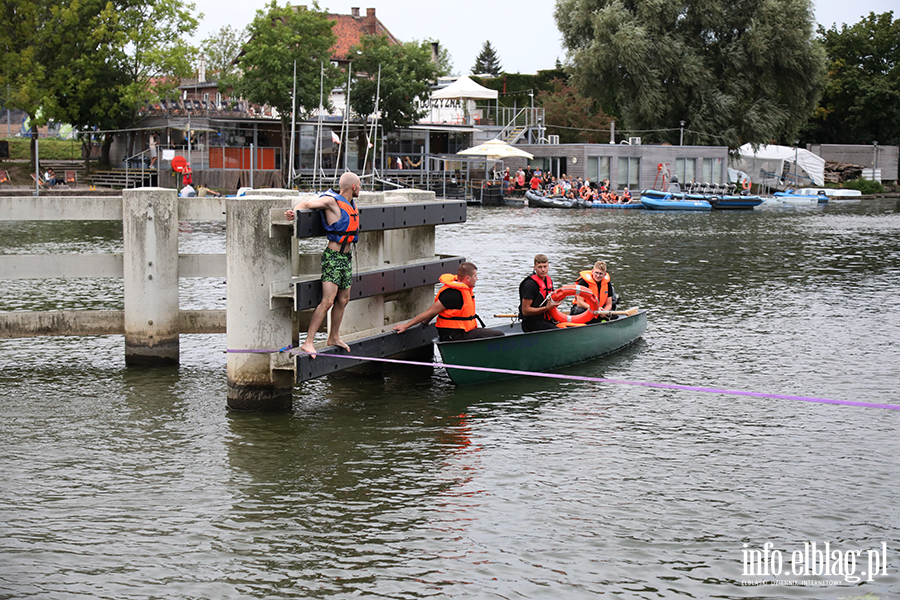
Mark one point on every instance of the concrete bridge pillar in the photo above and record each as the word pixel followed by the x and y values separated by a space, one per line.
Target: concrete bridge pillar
pixel 150 234
pixel 256 257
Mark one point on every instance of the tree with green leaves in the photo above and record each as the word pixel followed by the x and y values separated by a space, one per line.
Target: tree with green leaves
pixel 221 49
pixel 860 101
pixel 88 73
pixel 155 53
pixel 736 71
pixel 23 74
pixel 487 61
pixel 92 63
pixel 573 117
pixel 278 36
pixel 407 74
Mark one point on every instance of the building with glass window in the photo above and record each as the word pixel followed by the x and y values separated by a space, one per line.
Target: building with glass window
pixel 636 166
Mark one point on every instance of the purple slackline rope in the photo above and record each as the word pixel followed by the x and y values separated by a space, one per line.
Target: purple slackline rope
pixel 670 386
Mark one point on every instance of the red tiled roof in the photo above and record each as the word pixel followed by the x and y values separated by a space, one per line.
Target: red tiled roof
pixel 350 29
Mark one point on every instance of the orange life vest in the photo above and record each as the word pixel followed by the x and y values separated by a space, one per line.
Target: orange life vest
pixel 346 229
pixel 463 318
pixel 601 290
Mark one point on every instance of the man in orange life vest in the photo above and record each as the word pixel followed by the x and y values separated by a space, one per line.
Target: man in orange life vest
pixel 534 297
pixel 597 279
pixel 454 307
pixel 340 218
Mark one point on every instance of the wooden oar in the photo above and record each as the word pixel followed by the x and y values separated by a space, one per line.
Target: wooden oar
pixel 630 312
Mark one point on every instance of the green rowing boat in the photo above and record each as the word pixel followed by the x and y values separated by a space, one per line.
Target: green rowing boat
pixel 539 351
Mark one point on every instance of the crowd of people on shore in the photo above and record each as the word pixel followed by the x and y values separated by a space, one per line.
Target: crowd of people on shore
pixel 574 188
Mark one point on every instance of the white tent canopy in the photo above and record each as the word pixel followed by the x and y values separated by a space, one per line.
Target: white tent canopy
pixel 774 166
pixel 463 89
pixel 495 149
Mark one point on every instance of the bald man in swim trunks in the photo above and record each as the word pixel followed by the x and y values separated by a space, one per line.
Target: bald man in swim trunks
pixel 340 218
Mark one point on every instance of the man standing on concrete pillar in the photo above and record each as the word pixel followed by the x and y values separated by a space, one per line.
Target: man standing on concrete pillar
pixel 340 218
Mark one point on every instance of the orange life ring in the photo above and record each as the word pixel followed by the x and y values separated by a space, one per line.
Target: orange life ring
pixel 574 290
pixel 745 184
pixel 585 192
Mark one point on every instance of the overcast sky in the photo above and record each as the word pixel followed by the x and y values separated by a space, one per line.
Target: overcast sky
pixel 523 33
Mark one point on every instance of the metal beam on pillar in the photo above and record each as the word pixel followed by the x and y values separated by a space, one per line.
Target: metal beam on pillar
pixel 381 345
pixel 308 294
pixel 382 217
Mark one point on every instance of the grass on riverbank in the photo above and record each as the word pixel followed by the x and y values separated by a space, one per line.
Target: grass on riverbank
pixel 48 149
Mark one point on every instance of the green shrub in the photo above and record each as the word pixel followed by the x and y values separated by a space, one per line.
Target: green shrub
pixel 866 186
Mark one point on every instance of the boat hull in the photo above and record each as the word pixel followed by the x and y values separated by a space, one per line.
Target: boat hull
pixel 791 198
pixel 797 200
pixel 653 203
pixel 538 351
pixel 738 202
pixel 535 199
pixel 831 193
pixel 717 202
pixel 615 206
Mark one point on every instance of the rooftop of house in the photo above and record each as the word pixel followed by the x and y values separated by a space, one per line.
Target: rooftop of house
pixel 350 29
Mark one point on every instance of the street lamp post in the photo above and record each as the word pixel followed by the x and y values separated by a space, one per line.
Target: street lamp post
pixel 681 138
pixel 530 120
pixel 874 158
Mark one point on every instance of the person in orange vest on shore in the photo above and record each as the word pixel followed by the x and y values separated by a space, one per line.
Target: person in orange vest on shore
pixel 454 307
pixel 597 279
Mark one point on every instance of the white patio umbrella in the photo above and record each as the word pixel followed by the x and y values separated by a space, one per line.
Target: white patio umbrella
pixel 495 149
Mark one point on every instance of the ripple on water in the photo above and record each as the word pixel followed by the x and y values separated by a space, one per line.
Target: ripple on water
pixel 137 483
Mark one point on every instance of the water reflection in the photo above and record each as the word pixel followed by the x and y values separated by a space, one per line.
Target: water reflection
pixel 138 483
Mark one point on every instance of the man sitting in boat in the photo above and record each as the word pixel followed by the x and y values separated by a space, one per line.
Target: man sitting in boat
pixel 534 297
pixel 454 307
pixel 597 279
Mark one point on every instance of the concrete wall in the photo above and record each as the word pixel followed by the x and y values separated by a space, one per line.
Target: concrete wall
pixel 862 155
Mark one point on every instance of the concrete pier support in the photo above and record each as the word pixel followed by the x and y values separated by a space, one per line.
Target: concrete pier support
pixel 150 261
pixel 255 258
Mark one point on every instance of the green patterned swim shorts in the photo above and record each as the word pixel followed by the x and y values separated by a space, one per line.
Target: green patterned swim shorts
pixel 336 268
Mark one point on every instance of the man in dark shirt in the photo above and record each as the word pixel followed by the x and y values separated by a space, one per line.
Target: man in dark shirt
pixel 534 297
pixel 454 306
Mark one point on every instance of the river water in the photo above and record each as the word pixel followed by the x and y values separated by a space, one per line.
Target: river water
pixel 138 483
